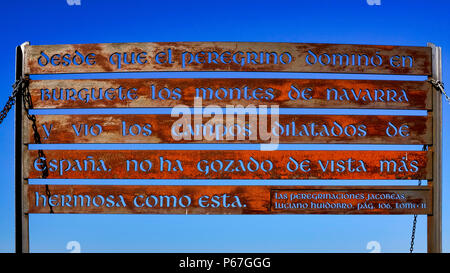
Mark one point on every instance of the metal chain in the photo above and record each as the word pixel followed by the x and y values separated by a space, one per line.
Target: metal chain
pixel 440 87
pixel 18 85
pixel 27 105
pixel 21 86
pixel 413 232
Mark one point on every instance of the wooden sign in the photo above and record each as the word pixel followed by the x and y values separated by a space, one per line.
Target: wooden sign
pixel 228 110
pixel 219 164
pixel 227 56
pixel 221 127
pixel 285 93
pixel 227 199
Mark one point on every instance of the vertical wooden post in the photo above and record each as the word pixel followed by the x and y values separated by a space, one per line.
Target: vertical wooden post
pixel 22 231
pixel 434 221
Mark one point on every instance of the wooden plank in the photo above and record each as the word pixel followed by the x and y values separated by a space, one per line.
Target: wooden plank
pixel 229 199
pixel 22 238
pixel 286 93
pixel 243 164
pixel 228 56
pixel 434 221
pixel 367 129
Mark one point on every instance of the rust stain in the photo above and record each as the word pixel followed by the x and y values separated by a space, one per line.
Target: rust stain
pixel 367 129
pixel 230 199
pixel 286 93
pixel 421 57
pixel 214 164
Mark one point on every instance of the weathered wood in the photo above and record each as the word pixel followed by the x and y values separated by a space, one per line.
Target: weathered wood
pixel 286 93
pixel 243 164
pixel 365 129
pixel 228 56
pixel 22 241
pixel 434 221
pixel 229 199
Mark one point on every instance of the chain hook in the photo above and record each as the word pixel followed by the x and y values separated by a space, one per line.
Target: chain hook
pixel 440 87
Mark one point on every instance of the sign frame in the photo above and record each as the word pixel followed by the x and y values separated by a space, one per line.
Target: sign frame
pixel 434 220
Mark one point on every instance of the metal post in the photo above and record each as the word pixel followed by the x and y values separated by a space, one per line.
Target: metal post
pixel 22 239
pixel 434 221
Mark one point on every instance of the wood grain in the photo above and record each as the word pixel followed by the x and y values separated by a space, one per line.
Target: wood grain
pixel 228 56
pixel 230 199
pixel 285 93
pixel 242 164
pixel 353 129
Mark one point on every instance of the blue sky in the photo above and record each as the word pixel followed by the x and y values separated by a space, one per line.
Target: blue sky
pixel 403 22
